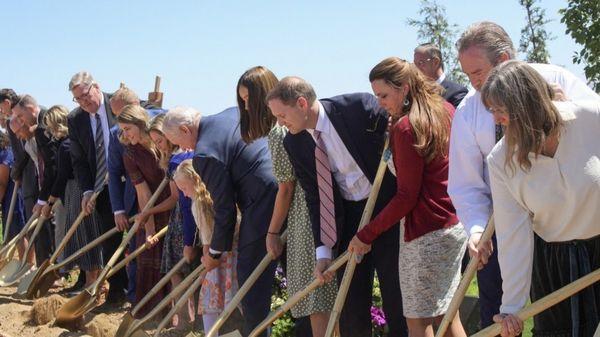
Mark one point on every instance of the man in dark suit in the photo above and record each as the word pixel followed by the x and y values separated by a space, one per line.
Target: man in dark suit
pixel 238 176
pixel 428 58
pixel 89 132
pixel 337 176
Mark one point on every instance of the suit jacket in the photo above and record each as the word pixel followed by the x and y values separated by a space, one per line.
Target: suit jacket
pixel 23 168
pixel 361 124
pixel 235 173
pixel 83 147
pixel 453 92
pixel 47 151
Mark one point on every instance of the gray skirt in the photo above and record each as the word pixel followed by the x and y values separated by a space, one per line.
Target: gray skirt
pixel 429 269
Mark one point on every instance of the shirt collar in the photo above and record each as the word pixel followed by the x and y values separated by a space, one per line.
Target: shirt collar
pixel 323 123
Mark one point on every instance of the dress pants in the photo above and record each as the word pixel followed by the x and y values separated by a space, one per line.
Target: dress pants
pixel 355 319
pixel 489 281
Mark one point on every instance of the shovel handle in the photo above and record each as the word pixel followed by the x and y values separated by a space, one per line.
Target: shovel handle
pixel 136 252
pixel 239 295
pixel 546 302
pixel 31 223
pixel 459 295
pixel 40 222
pixel 157 84
pixel 11 209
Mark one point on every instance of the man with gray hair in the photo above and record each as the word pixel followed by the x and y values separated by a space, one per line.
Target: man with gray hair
pixel 238 176
pixel 474 133
pixel 89 130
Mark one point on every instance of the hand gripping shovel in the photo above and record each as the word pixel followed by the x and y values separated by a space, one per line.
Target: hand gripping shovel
pixel 135 326
pixel 11 210
pixel 80 304
pixel 28 280
pixel 128 317
pixel 235 301
pixel 459 295
pixel 8 251
pixel 546 302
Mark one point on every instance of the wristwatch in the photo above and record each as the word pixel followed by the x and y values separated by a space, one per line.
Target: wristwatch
pixel 215 256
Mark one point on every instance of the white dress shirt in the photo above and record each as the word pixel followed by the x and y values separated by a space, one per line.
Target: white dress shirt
pixel 353 183
pixel 472 139
pixel 105 127
pixel 558 198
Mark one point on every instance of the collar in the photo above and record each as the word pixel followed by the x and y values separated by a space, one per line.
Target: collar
pixel 323 122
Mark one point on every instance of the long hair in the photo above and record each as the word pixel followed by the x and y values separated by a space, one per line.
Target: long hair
pixel 522 92
pixel 55 120
pixel 257 120
pixel 426 112
pixel 156 125
pixel 136 115
pixel 4 140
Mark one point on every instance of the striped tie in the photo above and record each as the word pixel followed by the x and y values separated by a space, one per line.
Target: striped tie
pixel 100 156
pixel 327 208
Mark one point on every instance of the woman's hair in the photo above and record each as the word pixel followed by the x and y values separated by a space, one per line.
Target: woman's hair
pixel 156 125
pixel 4 140
pixel 515 87
pixel 55 120
pixel 136 115
pixel 426 112
pixel 201 199
pixel 257 121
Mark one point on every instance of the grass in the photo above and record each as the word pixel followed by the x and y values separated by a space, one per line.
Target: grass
pixel 474 291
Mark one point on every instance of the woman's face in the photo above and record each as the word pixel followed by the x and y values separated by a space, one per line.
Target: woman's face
pixel 501 115
pixel 389 97
pixel 244 95
pixel 185 185
pixel 131 132
pixel 160 141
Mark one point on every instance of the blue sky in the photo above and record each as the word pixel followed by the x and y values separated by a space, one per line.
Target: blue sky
pixel 200 48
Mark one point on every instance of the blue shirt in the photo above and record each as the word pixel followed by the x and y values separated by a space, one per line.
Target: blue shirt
pixel 185 203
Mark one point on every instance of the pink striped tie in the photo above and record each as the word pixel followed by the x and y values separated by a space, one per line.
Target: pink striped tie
pixel 327 208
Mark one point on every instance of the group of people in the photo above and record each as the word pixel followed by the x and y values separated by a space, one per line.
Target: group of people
pixel 522 142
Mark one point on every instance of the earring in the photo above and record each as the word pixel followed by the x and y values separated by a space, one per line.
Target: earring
pixel 406 102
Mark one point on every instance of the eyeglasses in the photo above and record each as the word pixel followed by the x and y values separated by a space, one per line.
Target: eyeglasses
pixel 84 96
pixel 422 62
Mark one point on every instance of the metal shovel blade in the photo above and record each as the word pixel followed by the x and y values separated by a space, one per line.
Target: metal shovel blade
pixel 28 284
pixel 25 282
pixel 74 308
pixel 9 270
pixel 40 287
pixel 125 324
pixel 15 277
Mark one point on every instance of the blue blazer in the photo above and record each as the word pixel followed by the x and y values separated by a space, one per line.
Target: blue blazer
pixel 361 124
pixel 235 174
pixel 453 92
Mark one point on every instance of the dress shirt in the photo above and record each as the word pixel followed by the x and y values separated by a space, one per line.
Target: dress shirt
pixel 472 139
pixel 353 183
pixel 557 199
pixel 31 149
pixel 105 128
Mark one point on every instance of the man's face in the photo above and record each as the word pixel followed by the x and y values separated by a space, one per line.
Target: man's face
pixel 184 137
pixel 294 117
pixel 20 130
pixel 476 65
pixel 427 65
pixel 27 115
pixel 89 98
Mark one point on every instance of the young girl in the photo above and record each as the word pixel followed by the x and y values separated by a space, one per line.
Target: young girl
pixel 220 284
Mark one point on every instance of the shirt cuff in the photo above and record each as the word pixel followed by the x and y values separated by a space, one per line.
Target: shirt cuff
pixel 41 202
pixel 476 229
pixel 212 251
pixel 88 191
pixel 118 212
pixel 509 309
pixel 323 252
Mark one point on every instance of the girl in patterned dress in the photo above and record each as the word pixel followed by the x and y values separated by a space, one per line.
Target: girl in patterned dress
pixel 220 284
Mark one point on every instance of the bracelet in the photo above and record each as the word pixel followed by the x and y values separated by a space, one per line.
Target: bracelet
pixel 273 233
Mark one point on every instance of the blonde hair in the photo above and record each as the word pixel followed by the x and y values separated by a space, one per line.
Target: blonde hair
pixel 202 203
pixel 136 115
pixel 125 96
pixel 527 98
pixel 81 78
pixel 156 125
pixel 426 112
pixel 55 120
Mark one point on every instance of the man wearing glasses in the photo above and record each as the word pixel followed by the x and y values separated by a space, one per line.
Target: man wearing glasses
pixel 428 58
pixel 89 132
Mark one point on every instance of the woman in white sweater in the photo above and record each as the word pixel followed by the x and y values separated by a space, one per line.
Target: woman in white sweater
pixel 545 180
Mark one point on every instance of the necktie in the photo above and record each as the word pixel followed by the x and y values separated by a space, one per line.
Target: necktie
pixel 326 205
pixel 100 156
pixel 499 132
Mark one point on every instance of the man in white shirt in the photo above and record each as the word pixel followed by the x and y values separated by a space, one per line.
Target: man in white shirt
pixel 474 133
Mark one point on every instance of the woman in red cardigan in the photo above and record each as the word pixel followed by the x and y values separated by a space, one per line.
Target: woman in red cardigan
pixel 432 240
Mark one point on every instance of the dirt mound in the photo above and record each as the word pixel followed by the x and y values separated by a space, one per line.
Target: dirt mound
pixel 44 309
pixel 102 325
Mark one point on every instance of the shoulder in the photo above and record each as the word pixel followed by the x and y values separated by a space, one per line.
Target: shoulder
pixel 497 157
pixel 351 100
pixel 470 105
pixel 585 113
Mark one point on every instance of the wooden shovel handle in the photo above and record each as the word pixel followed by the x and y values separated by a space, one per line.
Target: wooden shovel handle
pixel 546 302
pixel 28 226
pixel 11 209
pixel 40 222
pixel 157 84
pixel 459 295
pixel 136 252
pixel 239 295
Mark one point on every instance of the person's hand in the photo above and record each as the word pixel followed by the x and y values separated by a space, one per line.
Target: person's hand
pixel 358 247
pixel 274 245
pixel 210 263
pixel 482 254
pixel 37 208
pixel 87 204
pixel 150 232
pixel 142 216
pixel 189 253
pixel 46 211
pixel 511 324
pixel 559 94
pixel 121 222
pixel 321 272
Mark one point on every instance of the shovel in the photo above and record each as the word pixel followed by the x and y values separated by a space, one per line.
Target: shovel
pixel 8 251
pixel 465 282
pixel 156 97
pixel 128 317
pixel 239 295
pixel 11 210
pixel 27 281
pixel 135 326
pixel 84 301
pixel 545 302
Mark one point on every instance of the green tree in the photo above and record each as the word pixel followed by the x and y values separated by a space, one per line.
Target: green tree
pixel 534 34
pixel 433 27
pixel 583 24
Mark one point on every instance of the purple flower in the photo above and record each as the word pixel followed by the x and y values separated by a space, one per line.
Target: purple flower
pixel 377 316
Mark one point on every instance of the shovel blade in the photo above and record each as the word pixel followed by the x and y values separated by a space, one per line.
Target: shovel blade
pixel 29 284
pixel 40 287
pixel 22 270
pixel 73 309
pixel 9 270
pixel 125 324
pixel 25 282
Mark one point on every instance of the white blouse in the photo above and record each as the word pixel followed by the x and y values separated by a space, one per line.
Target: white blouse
pixel 558 199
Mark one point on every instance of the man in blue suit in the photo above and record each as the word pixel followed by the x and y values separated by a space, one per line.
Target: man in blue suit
pixel 238 176
pixel 340 172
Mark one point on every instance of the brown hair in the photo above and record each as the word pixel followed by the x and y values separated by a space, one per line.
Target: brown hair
pixel 527 98
pixel 156 125
pixel 125 96
pixel 55 120
pixel 431 50
pixel 290 88
pixel 136 115
pixel 257 121
pixel 426 112
pixel 489 36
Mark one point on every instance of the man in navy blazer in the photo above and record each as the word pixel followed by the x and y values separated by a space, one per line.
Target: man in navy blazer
pixel 352 128
pixel 238 176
